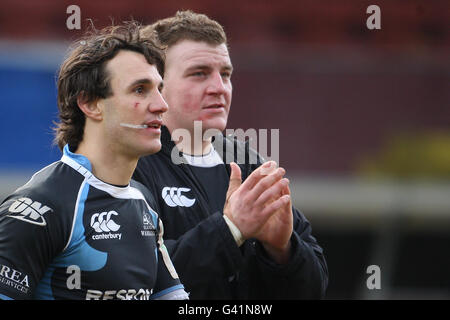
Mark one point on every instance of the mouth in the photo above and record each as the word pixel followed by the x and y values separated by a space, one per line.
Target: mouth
pixel 156 124
pixel 215 106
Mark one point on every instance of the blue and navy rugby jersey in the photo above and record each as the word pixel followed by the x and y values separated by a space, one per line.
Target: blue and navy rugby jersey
pixel 67 235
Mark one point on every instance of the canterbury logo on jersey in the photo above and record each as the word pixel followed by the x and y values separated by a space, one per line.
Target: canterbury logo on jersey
pixel 173 197
pixel 102 222
pixel 30 211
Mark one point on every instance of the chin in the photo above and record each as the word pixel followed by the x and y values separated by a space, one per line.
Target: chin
pixel 154 148
pixel 218 124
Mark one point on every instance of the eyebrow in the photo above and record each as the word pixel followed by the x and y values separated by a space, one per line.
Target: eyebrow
pixel 143 81
pixel 227 67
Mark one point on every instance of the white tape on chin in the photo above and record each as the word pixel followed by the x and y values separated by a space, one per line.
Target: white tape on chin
pixel 134 126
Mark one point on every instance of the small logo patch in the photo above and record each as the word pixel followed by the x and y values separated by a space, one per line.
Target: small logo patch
pixel 30 211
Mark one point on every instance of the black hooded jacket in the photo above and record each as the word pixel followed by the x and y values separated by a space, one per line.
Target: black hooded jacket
pixel 203 250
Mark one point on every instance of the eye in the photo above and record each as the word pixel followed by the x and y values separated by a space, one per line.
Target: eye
pixel 226 74
pixel 199 74
pixel 139 90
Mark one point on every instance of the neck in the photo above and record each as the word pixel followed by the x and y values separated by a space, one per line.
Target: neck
pixel 193 145
pixel 109 166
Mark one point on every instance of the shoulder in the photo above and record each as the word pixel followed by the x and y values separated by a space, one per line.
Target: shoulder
pixel 41 212
pixel 145 191
pixel 52 189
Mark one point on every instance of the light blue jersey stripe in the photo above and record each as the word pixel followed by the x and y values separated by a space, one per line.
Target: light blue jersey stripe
pixel 166 291
pixel 3 297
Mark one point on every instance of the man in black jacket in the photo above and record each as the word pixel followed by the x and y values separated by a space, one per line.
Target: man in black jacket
pixel 227 239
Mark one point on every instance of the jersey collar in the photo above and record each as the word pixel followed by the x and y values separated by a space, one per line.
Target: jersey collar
pixel 81 164
pixel 78 158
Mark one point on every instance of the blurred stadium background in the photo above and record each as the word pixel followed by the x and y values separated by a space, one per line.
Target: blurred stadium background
pixel 364 118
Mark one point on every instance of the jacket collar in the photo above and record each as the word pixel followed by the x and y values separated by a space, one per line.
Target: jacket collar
pixel 166 141
pixel 225 147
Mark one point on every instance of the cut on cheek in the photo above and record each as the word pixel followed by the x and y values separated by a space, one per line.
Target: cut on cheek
pixel 136 104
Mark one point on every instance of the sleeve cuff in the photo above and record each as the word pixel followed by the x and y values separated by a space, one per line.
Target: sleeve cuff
pixel 237 235
pixel 295 261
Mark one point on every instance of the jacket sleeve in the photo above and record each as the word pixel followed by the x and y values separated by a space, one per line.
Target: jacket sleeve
pixel 207 251
pixel 305 276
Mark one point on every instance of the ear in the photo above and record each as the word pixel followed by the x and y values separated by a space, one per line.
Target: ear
pixel 92 109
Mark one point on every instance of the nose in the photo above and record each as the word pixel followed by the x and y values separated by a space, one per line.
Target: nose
pixel 158 104
pixel 216 84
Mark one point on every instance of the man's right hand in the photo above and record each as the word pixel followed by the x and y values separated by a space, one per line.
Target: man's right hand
pixel 249 205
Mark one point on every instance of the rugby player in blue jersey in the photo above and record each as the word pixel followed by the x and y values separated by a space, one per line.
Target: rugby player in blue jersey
pixel 81 228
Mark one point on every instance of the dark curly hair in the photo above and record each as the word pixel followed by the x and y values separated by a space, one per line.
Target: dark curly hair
pixel 83 74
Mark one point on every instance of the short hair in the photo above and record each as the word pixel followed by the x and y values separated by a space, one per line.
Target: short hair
pixel 83 74
pixel 185 25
